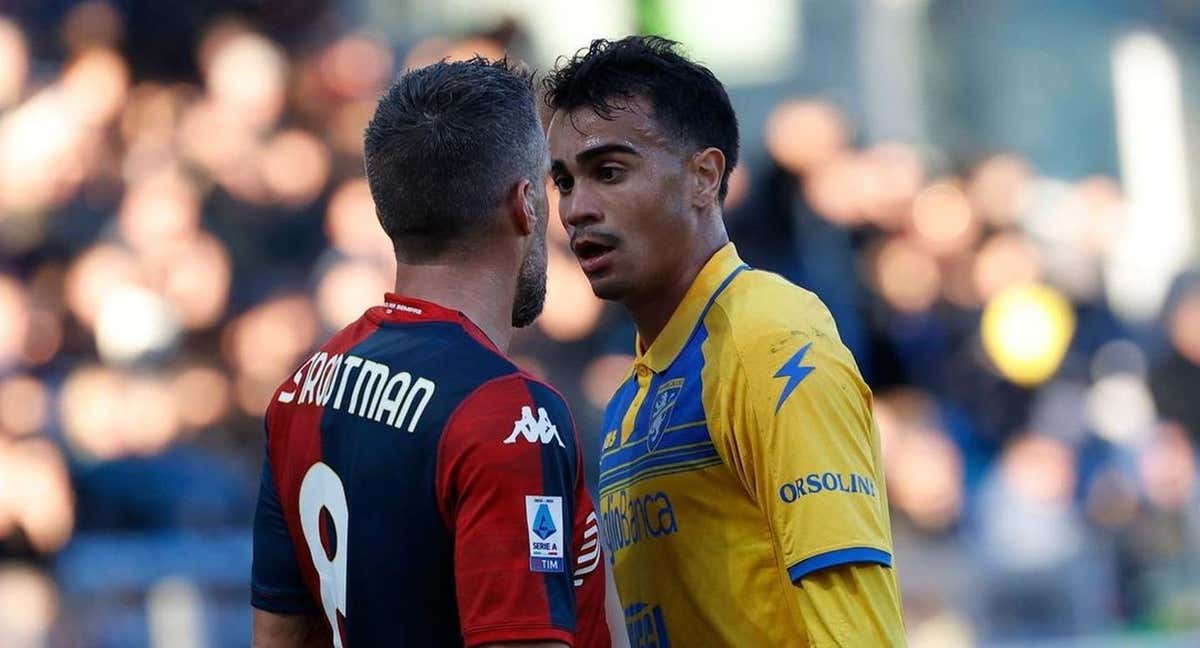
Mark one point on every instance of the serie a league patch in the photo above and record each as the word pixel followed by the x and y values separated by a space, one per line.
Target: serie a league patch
pixel 544 520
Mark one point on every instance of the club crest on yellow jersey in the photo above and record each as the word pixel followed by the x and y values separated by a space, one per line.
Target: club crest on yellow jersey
pixel 660 415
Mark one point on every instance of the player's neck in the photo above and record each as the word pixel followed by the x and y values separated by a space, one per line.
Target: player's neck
pixel 476 291
pixel 652 312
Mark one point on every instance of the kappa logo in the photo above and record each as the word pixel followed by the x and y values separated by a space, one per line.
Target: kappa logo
pixel 539 430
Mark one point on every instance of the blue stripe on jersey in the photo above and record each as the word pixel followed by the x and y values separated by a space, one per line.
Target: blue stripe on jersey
pixel 839 557
pixel 560 467
pixel 400 565
pixel 683 443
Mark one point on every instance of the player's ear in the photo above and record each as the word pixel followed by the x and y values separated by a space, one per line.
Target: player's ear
pixel 521 207
pixel 707 168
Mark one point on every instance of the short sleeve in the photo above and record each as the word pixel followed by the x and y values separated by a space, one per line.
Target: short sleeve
pixel 805 444
pixel 507 476
pixel 276 584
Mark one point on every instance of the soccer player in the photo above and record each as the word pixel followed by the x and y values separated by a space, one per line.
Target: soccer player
pixel 741 490
pixel 418 488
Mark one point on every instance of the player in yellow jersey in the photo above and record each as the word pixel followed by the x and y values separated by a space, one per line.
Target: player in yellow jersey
pixel 741 486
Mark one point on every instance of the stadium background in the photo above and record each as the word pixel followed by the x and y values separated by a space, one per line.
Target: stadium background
pixel 996 199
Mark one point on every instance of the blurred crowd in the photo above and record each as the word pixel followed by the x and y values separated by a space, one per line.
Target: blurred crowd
pixel 173 244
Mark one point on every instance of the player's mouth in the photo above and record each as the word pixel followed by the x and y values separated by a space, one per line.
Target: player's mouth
pixel 594 252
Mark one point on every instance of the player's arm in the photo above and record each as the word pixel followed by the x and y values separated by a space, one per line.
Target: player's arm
pixel 290 630
pixel 805 444
pixel 284 613
pixel 507 467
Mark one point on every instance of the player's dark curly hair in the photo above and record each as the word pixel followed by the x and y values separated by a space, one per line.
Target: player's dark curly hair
pixel 446 144
pixel 689 103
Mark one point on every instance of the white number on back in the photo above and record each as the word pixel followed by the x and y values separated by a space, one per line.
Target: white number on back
pixel 322 490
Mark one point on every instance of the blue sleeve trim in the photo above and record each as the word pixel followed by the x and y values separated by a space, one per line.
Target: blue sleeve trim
pixel 838 557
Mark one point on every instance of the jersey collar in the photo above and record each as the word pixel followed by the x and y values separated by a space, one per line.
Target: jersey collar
pixel 711 279
pixel 401 308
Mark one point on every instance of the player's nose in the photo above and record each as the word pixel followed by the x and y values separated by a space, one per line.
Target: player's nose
pixel 580 207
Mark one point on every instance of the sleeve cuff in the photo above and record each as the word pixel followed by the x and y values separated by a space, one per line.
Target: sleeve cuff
pixel 838 557
pixel 282 601
pixel 512 634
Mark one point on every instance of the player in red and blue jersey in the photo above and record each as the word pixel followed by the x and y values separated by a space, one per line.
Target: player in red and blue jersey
pixel 418 488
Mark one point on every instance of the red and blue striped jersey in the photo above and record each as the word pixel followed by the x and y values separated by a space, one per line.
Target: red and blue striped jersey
pixel 418 489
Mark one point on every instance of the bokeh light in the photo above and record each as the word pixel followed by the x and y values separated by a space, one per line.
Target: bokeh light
pixel 352 225
pixel 1183 325
pixel 603 375
pixel 926 479
pixel 29 605
pixel 1167 467
pixel 133 323
pixel 346 126
pixel 245 73
pixel 159 209
pixel 40 153
pixel 14 62
pixel 999 188
pixel 14 320
pixel 90 405
pixel 150 419
pixel 215 139
pixel 108 415
pixel 45 337
pixel 942 219
pixel 1005 260
pixel 834 189
pixel 89 25
pixel 1026 331
pixel 194 277
pixel 356 66
pixel 894 173
pixel 95 85
pixel 924 468
pixel 348 288
pixel 295 167
pixel 35 492
pixel 469 48
pixel 203 395
pixel 24 405
pixel 427 52
pixel 1119 357
pixel 1121 409
pixel 802 135
pixel 1040 468
pixel 94 274
pixel 267 341
pixel 571 310
pixel 906 275
pixel 739 188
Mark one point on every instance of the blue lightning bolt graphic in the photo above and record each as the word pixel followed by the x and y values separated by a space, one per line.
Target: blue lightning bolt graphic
pixel 794 372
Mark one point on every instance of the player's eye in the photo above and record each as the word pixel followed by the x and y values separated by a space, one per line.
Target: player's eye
pixel 609 173
pixel 563 183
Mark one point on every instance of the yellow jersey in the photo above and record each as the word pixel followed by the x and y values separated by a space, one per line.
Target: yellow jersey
pixel 741 485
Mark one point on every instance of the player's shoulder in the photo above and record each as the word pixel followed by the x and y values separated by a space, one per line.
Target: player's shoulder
pixel 521 394
pixel 761 312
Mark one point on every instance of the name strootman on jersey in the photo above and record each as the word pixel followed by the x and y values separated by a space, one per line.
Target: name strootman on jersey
pixel 362 387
